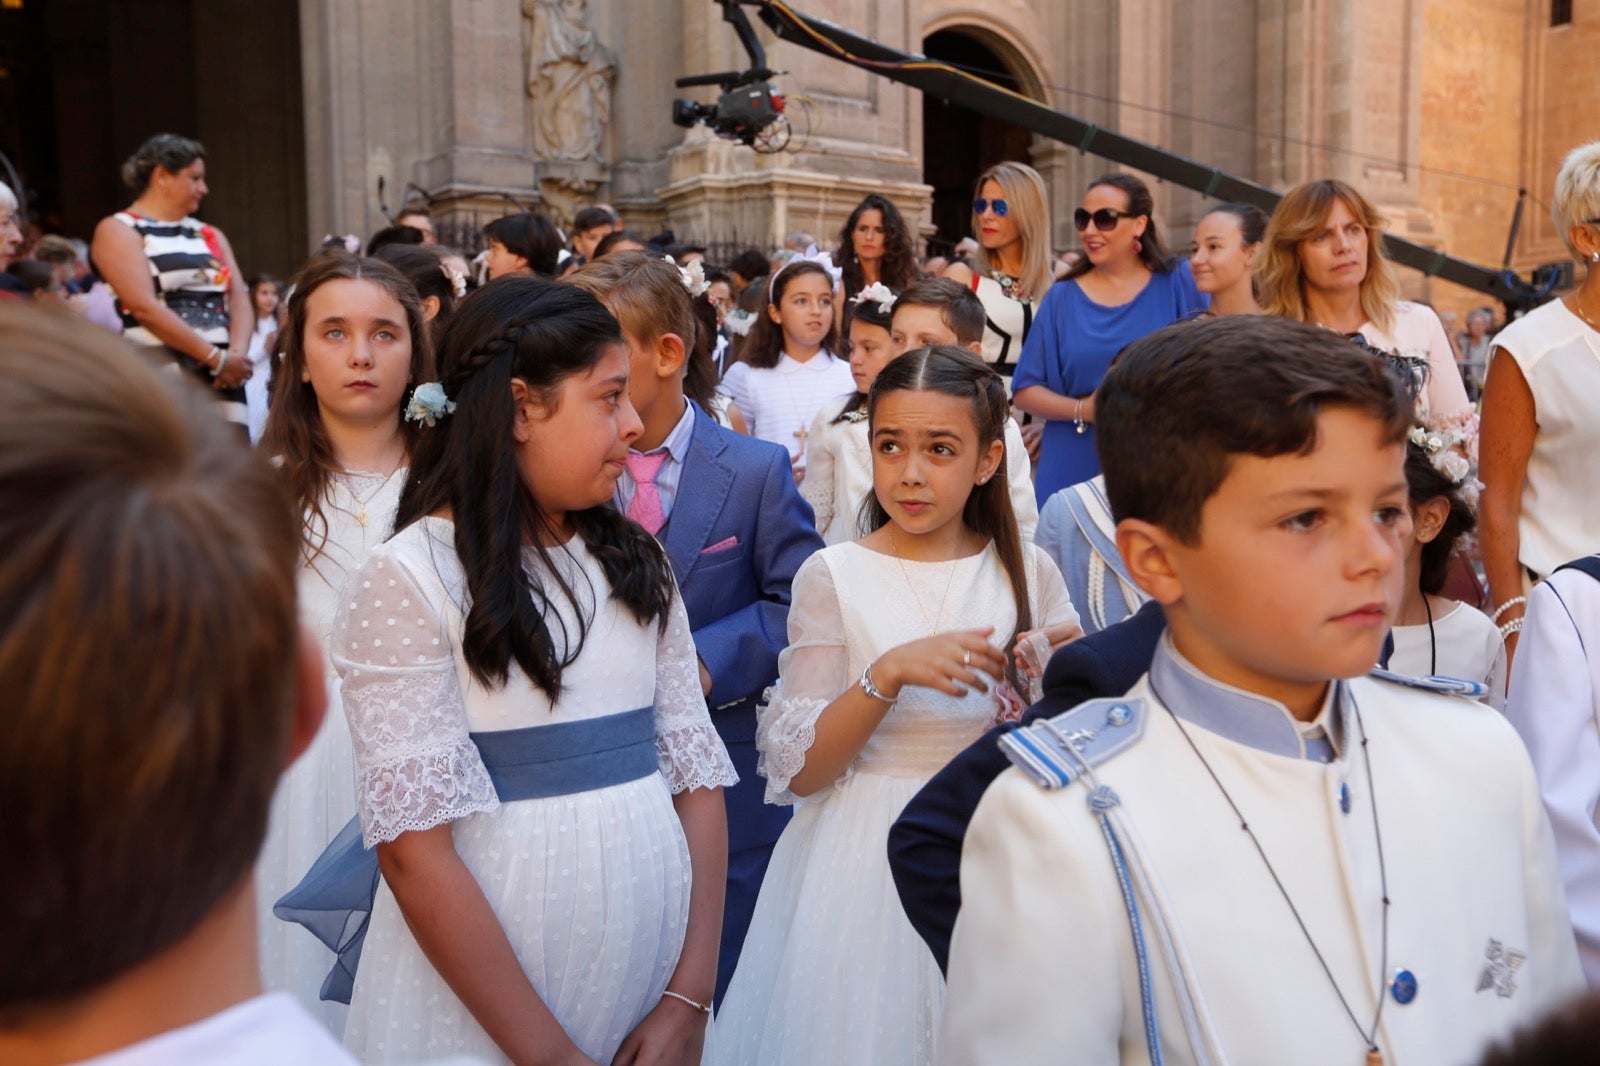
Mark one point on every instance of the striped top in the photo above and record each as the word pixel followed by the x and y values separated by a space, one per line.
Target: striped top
pixel 190 275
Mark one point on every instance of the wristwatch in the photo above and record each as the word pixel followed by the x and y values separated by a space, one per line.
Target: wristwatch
pixel 870 689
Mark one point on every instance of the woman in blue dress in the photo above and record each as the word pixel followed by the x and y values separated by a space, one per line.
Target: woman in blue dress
pixel 1125 286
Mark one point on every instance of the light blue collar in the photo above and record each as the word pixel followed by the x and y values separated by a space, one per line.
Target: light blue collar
pixel 677 442
pixel 1240 716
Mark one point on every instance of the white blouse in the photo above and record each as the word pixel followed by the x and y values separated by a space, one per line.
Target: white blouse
pixel 1463 644
pixel 779 404
pixel 1417 334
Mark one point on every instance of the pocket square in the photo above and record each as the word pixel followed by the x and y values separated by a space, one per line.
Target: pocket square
pixel 720 545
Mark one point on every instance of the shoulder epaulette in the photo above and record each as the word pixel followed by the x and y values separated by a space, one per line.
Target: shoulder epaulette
pixel 1450 686
pixel 1054 751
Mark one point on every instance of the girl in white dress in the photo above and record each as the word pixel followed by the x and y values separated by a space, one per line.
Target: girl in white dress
pixel 1434 635
pixel 787 370
pixel 537 770
pixel 898 649
pixel 839 468
pixel 354 344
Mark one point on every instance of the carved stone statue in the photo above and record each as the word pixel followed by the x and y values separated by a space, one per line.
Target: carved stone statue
pixel 569 78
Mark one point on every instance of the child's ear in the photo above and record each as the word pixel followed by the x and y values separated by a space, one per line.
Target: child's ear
pixel 991 460
pixel 310 695
pixel 671 355
pixel 976 348
pixel 1429 517
pixel 523 404
pixel 773 313
pixel 1147 551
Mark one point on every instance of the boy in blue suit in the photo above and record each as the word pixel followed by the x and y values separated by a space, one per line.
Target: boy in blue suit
pixel 726 509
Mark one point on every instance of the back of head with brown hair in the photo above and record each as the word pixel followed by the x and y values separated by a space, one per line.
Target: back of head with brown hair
pixel 1179 404
pixel 148 650
pixel 962 310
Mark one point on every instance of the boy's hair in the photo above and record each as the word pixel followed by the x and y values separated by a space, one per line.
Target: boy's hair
pixel 750 264
pixel 614 238
pixel 962 310
pixel 957 372
pixel 1179 404
pixel 646 295
pixel 591 218
pixel 531 236
pixel 542 333
pixel 764 349
pixel 1425 482
pixel 294 435
pixel 148 648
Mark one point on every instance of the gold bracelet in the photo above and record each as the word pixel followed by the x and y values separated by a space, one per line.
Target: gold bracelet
pixel 703 1008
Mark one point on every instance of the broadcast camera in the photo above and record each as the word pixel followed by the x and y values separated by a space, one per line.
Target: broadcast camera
pixel 749 110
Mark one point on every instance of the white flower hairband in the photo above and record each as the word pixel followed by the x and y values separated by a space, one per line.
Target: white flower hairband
pixel 810 255
pixel 458 280
pixel 1448 446
pixel 878 291
pixel 429 404
pixel 739 322
pixel 693 276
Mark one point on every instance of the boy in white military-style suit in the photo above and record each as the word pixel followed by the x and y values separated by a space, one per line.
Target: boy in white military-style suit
pixel 1259 854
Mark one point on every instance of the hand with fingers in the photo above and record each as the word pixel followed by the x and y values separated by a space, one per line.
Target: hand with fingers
pixel 954 663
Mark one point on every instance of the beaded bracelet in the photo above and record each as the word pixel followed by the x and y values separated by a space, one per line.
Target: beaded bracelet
pixel 1506 606
pixel 1513 626
pixel 703 1008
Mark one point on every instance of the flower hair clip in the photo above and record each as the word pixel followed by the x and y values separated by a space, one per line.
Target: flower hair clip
pixel 429 404
pixel 693 276
pixel 879 292
pixel 810 255
pixel 458 280
pixel 739 322
pixel 1448 447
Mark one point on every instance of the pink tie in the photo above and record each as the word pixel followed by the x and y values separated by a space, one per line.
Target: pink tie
pixel 645 508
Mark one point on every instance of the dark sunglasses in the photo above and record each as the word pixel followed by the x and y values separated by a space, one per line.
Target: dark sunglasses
pixel 1105 220
pixel 980 205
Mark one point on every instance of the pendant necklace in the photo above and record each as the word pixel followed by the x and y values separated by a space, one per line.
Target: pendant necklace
pixel 933 623
pixel 361 515
pixel 1369 1036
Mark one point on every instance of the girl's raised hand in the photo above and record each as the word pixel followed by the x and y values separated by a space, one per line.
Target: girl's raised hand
pixel 949 662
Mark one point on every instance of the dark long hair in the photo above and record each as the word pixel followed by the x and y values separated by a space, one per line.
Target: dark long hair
pixel 541 333
pixel 294 434
pixel 863 311
pixel 765 345
pixel 899 266
pixel 1424 482
pixel 957 372
pixel 1152 252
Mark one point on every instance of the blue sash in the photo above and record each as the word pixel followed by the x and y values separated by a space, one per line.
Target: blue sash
pixel 334 899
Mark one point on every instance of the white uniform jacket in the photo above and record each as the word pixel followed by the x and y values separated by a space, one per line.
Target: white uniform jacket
pixel 1043 966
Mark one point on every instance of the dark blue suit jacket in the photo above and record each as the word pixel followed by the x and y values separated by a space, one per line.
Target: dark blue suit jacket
pixel 737 496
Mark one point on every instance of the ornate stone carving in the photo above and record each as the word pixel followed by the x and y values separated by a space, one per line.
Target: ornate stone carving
pixel 569 79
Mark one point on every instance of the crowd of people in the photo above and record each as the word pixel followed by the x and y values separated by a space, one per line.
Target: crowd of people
pixel 834 655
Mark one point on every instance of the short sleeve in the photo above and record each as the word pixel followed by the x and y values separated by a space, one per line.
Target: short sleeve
pixel 416 765
pixel 690 751
pixel 736 386
pixel 813 671
pixel 1042 345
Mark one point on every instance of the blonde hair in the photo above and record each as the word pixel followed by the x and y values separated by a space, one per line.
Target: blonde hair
pixel 1577 192
pixel 1029 209
pixel 1299 216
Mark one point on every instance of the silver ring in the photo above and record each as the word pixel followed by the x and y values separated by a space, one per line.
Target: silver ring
pixel 966 658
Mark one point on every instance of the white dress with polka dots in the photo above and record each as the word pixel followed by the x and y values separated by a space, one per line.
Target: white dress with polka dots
pixel 592 889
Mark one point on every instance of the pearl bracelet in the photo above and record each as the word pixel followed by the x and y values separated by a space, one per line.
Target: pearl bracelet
pixel 222 360
pixel 703 1008
pixel 1506 606
pixel 1513 626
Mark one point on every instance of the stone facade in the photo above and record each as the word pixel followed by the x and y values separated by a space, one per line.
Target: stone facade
pixel 1438 109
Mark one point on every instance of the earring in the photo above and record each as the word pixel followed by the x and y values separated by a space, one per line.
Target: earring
pixel 1138 246
pixel 1594 257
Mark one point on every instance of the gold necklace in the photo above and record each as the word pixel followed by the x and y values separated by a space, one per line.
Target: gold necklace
pixel 932 624
pixel 1581 313
pixel 361 515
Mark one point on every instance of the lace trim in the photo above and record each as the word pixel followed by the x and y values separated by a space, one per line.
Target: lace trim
pixel 416 712
pixel 818 492
pixel 692 757
pixel 785 731
pixel 423 790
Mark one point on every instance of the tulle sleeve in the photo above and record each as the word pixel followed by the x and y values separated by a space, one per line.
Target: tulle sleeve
pixel 690 751
pixel 813 671
pixel 416 766
pixel 1052 601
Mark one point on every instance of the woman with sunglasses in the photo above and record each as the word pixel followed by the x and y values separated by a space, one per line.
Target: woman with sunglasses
pixel 1011 269
pixel 1125 286
pixel 1323 262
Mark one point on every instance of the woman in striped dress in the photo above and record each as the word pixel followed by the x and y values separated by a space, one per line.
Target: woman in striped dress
pixel 178 286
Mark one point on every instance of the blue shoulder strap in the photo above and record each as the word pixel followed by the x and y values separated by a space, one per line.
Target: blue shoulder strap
pixel 1450 686
pixel 1589 564
pixel 1054 751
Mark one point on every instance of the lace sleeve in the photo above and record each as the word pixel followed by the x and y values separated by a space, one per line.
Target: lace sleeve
pixel 812 673
pixel 690 752
pixel 818 487
pixel 416 767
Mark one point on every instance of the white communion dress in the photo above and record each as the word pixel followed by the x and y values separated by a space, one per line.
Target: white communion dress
pixel 592 886
pixel 831 971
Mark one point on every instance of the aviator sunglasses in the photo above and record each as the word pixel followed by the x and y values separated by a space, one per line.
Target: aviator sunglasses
pixel 1105 220
pixel 980 205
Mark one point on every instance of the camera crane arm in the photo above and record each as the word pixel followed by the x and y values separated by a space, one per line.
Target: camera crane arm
pixel 947 83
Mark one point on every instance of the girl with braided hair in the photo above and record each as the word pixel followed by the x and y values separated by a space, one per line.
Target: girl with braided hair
pixel 536 769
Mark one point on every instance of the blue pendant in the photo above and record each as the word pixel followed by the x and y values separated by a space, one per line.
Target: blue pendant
pixel 1403 986
pixel 1344 797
